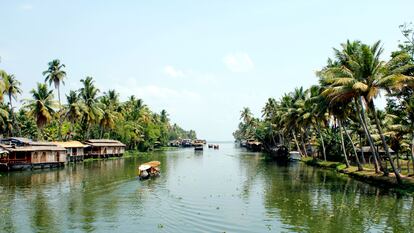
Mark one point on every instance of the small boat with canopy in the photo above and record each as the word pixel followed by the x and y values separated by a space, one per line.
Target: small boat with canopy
pixel 149 169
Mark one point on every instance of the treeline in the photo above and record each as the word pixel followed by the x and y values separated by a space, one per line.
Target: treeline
pixel 87 114
pixel 339 116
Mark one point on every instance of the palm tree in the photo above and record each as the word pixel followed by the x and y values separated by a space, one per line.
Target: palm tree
pixel 12 88
pixel 74 108
pixel 41 107
pixel 361 76
pixel 89 95
pixel 109 115
pixel 55 74
pixel 3 76
pixel 316 106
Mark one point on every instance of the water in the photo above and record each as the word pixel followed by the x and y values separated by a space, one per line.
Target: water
pixel 226 190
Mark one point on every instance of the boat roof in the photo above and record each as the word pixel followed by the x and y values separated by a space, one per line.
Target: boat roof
pixel 32 148
pixel 104 142
pixel 71 144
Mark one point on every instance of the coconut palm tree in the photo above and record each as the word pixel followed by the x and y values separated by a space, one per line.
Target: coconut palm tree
pixel 55 74
pixel 12 89
pixel 361 76
pixel 42 106
pixel 74 108
pixel 92 111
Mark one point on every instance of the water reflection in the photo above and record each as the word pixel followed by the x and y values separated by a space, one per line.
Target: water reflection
pixel 227 190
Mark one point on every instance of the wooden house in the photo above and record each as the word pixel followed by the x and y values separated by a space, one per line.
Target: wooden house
pixel 104 148
pixel 75 150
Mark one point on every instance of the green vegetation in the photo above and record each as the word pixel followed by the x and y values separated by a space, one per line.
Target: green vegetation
pixel 86 114
pixel 334 119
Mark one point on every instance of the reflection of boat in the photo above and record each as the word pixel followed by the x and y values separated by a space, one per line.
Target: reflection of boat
pixel 198 147
pixel 294 156
pixel 147 170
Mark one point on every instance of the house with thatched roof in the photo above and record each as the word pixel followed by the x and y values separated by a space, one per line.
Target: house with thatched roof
pixel 75 150
pixel 104 148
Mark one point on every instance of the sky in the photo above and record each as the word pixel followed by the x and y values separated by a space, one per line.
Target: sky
pixel 201 61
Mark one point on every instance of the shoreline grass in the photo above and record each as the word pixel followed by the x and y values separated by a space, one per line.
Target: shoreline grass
pixel 368 175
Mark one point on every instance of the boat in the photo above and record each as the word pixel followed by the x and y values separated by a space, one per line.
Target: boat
pixel 254 145
pixel 198 147
pixel 216 146
pixel 294 156
pixel 149 169
pixel 210 145
pixel 279 152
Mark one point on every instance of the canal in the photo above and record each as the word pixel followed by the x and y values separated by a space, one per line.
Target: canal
pixel 225 190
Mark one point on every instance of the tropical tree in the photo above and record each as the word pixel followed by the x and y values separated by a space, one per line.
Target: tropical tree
pixel 92 107
pixel 11 89
pixel 55 74
pixel 42 106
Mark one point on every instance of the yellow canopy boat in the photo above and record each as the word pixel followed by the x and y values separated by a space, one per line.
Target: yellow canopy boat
pixel 148 169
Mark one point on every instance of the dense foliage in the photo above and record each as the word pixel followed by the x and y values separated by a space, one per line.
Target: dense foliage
pixel 86 114
pixel 338 115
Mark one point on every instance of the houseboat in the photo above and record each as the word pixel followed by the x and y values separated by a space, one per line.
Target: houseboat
pixel 75 150
pixel 103 148
pixel 186 143
pixel 23 154
pixel 253 145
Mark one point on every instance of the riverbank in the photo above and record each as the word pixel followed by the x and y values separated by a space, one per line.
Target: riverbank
pixel 367 175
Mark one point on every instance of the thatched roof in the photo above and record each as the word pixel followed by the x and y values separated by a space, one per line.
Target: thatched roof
pixel 104 142
pixel 71 144
pixel 32 148
pixel 367 149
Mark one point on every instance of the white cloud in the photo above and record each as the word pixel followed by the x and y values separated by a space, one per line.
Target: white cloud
pixel 154 93
pixel 173 72
pixel 26 7
pixel 238 62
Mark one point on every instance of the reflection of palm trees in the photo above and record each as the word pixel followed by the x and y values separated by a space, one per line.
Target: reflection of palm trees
pixel 43 217
pixel 314 200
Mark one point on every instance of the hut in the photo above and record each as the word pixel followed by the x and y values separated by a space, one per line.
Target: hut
pixel 75 150
pixel 31 157
pixel 367 152
pixel 104 148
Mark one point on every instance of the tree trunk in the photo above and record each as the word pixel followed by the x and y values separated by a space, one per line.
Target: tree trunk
pixel 361 116
pixel 322 141
pixel 360 168
pixel 398 161
pixel 60 112
pixel 387 152
pixel 412 151
pixel 362 151
pixel 296 142
pixel 343 143
pixel 11 115
pixel 304 145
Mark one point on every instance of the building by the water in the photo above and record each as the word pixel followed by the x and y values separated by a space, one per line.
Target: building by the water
pixel 104 148
pixel 22 153
pixel 75 150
